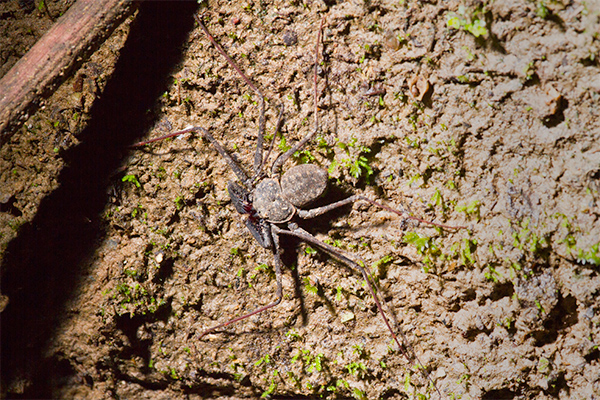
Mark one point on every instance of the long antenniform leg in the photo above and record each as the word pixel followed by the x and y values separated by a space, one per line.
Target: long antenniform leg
pixel 303 235
pixel 258 155
pixel 258 159
pixel 239 172
pixel 279 161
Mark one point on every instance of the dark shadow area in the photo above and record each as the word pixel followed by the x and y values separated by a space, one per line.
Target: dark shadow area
pixel 593 355
pixel 498 394
pixel 557 383
pixel 9 207
pixel 289 261
pixel 501 290
pixel 493 42
pixel 562 316
pixel 456 303
pixel 130 326
pixel 43 265
pixel 558 116
pixel 322 223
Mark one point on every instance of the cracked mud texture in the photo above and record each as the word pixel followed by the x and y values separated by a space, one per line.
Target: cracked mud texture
pixel 108 280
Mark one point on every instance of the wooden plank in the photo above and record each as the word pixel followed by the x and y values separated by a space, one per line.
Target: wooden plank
pixel 46 65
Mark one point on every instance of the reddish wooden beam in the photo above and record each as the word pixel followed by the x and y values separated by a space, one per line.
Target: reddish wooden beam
pixel 69 41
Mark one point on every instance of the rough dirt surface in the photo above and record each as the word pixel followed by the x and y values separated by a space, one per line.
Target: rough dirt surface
pixel 475 114
pixel 21 25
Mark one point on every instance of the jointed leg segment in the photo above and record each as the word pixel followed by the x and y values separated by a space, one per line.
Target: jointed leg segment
pixel 306 237
pixel 239 172
pixel 294 230
pixel 279 293
pixel 258 160
pixel 315 212
pixel 279 161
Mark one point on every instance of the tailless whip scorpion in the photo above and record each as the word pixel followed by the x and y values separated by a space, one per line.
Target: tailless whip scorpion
pixel 270 201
